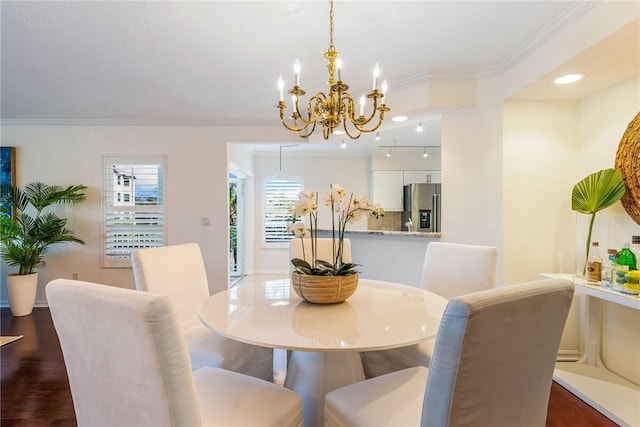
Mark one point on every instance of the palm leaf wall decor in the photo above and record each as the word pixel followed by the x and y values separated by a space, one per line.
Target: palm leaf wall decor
pixel 594 193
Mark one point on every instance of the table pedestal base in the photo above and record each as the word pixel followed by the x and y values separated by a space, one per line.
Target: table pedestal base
pixel 313 375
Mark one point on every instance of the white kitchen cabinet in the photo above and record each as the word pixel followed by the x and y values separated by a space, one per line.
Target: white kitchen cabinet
pixel 388 189
pixel 428 177
pixel 435 177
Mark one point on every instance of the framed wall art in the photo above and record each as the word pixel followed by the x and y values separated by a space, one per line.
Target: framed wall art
pixel 7 170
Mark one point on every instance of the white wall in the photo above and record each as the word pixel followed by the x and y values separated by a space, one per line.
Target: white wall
pixel 541 144
pixel 197 176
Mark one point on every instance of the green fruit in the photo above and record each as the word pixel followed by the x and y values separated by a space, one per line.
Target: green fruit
pixel 620 273
pixel 620 280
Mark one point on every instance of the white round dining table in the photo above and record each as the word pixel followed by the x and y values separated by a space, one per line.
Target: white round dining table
pixel 325 339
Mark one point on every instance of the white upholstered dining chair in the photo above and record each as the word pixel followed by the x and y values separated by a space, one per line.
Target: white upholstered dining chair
pixel 178 271
pixel 492 365
pixel 449 270
pixel 128 365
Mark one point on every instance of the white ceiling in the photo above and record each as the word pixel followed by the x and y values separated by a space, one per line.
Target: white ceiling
pixel 217 62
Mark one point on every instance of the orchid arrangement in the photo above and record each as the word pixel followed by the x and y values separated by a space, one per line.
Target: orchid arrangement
pixel 344 209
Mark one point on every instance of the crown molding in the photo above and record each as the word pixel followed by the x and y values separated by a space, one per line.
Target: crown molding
pixel 571 14
pixel 133 122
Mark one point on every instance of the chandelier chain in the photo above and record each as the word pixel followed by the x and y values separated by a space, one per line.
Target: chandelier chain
pixel 331 46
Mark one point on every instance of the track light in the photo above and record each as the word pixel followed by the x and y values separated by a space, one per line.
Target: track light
pixel 343 145
pixel 413 148
pixel 419 128
pixel 377 136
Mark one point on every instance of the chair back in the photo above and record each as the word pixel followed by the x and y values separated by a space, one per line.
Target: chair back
pixel 126 359
pixel 452 269
pixel 494 356
pixel 176 271
pixel 325 250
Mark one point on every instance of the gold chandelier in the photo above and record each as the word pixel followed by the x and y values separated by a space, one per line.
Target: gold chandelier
pixel 337 108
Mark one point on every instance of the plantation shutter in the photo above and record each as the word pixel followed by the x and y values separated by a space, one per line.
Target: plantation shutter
pixel 134 207
pixel 279 198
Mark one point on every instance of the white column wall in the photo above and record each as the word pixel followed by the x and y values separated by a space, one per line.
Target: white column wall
pixel 472 172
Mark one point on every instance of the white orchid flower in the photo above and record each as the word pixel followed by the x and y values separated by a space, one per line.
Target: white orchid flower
pixel 300 230
pixel 304 206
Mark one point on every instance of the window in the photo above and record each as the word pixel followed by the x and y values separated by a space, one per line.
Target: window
pixel 279 197
pixel 134 207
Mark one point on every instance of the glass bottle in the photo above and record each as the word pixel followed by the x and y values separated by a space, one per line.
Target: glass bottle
pixel 608 275
pixel 626 257
pixel 635 248
pixel 594 266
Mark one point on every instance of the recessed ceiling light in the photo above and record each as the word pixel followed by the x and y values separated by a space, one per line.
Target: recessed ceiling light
pixel 568 78
pixel 343 145
pixel 399 118
pixel 419 128
pixel 377 136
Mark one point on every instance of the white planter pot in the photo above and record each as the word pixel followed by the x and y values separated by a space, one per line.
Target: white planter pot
pixel 22 293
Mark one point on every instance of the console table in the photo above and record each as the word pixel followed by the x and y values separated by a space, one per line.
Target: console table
pixel 589 378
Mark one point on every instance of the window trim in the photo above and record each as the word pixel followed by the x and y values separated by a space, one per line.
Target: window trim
pixel 107 162
pixel 264 242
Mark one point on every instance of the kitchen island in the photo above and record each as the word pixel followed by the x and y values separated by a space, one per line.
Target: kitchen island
pixel 395 256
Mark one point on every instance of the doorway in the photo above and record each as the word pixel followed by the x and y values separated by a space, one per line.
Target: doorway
pixel 235 228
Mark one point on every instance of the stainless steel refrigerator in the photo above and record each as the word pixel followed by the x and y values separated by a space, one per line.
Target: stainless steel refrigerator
pixel 422 205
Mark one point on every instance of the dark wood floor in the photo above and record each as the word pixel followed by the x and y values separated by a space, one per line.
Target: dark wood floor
pixel 35 390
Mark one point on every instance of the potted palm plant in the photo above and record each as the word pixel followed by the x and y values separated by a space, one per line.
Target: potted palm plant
pixel 27 231
pixel 594 193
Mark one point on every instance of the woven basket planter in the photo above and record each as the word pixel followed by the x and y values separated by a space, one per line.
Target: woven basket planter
pixel 324 289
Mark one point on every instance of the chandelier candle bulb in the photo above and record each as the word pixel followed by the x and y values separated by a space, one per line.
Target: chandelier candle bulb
pixel 376 74
pixel 281 88
pixel 296 71
pixel 362 101
pixel 339 67
pixel 384 89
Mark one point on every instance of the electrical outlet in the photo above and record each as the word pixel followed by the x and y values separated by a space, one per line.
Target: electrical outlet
pixel 75 276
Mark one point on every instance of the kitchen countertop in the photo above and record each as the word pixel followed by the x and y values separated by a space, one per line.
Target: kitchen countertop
pixel 391 233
